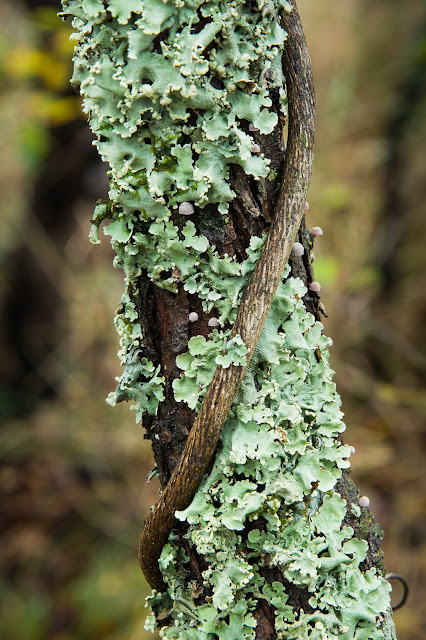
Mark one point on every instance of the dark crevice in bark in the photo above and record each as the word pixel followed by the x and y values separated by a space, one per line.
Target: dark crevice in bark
pixel 264 615
pixel 164 318
pixel 148 318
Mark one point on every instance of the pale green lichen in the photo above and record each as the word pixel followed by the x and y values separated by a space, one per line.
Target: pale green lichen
pixel 199 364
pixel 269 501
pixel 168 87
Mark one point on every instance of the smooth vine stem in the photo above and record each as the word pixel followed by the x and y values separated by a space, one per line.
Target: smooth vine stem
pixel 255 304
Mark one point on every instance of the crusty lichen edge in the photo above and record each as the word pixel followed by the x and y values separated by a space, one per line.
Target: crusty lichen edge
pixel 290 438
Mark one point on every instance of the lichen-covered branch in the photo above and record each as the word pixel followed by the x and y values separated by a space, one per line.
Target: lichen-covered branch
pixel 253 310
pixel 187 100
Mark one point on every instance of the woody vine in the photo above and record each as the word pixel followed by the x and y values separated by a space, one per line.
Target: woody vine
pixel 258 533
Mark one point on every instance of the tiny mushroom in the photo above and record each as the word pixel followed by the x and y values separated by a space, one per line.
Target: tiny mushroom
pixel 353 450
pixel 193 316
pixel 330 342
pixel 306 206
pixel 251 127
pixel 297 249
pixel 315 286
pixel 364 501
pixel 316 231
pixel 186 208
pixel 255 148
pixel 213 322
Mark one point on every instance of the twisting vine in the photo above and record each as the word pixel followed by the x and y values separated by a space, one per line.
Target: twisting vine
pixel 254 307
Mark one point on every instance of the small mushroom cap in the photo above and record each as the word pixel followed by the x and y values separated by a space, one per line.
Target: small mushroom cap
pixel 251 127
pixel 186 208
pixel 213 322
pixel 353 450
pixel 315 286
pixel 297 249
pixel 364 501
pixel 316 231
pixel 330 342
pixel 255 148
pixel 306 206
pixel 193 316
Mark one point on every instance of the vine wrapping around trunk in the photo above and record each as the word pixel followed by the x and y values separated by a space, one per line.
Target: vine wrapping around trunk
pixel 255 304
pixel 186 106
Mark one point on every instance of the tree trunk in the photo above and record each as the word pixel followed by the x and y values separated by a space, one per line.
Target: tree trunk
pixel 188 106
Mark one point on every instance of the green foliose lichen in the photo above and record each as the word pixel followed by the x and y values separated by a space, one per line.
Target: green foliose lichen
pixel 200 362
pixel 170 89
pixel 269 501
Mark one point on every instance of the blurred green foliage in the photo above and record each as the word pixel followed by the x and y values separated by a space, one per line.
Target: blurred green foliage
pixel 35 67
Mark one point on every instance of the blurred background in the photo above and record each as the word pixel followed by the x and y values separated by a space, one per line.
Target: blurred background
pixel 72 470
